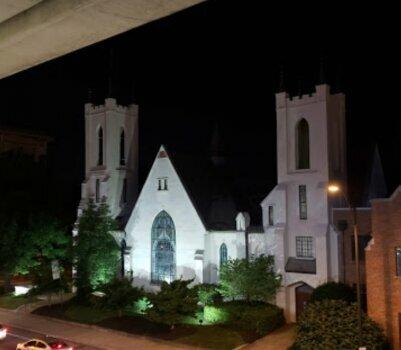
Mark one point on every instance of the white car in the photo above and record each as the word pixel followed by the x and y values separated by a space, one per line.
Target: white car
pixel 38 344
pixel 3 332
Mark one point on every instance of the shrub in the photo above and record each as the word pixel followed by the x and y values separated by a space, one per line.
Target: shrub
pixel 174 301
pixel 215 314
pixel 142 305
pixel 334 291
pixel 119 293
pixel 332 324
pixel 208 294
pixel 254 280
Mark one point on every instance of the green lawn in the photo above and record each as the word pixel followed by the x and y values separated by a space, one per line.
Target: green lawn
pixel 216 337
pixel 12 302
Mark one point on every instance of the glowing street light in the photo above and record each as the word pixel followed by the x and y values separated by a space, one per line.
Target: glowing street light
pixel 334 189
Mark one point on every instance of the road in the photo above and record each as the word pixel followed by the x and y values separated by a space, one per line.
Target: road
pixel 17 335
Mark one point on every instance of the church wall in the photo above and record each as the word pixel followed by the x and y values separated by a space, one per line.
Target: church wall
pixel 190 231
pixel 235 242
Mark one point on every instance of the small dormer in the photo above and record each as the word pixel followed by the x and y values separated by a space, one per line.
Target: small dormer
pixel 242 221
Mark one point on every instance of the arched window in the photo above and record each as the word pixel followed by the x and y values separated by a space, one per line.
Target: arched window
pixel 122 148
pixel 302 135
pixel 223 254
pixel 163 249
pixel 97 190
pixel 100 146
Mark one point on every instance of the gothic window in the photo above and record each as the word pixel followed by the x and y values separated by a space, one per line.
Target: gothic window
pixel 163 249
pixel 304 246
pixel 223 254
pixel 271 217
pixel 398 261
pixel 302 139
pixel 97 194
pixel 122 148
pixel 100 146
pixel 303 209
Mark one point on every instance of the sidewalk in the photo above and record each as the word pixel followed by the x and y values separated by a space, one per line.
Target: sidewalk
pixel 85 334
pixel 280 339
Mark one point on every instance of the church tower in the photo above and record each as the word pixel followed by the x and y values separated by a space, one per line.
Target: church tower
pixel 311 153
pixel 111 157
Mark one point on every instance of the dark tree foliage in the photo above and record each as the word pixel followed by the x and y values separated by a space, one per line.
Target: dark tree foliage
pixel 334 291
pixel 174 301
pixel 208 294
pixel 333 324
pixel 96 252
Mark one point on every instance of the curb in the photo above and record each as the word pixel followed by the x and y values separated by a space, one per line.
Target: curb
pixel 97 328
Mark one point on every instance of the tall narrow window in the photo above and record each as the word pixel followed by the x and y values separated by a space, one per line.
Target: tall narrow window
pixel 163 249
pixel 122 148
pixel 302 135
pixel 97 194
pixel 223 254
pixel 304 246
pixel 398 261
pixel 303 210
pixel 162 184
pixel 100 146
pixel 271 216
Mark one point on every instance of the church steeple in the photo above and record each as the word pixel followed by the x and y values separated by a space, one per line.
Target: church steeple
pixel 376 184
pixel 216 147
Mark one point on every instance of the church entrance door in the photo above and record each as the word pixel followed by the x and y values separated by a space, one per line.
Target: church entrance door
pixel 302 297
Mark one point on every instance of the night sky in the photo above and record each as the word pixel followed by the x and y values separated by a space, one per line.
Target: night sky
pixel 218 62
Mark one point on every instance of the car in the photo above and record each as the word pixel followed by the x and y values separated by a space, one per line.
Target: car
pixel 48 344
pixel 3 332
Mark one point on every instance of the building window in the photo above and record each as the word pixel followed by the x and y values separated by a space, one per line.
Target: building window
pixel 122 148
pixel 302 135
pixel 97 193
pixel 162 184
pixel 100 146
pixel 363 241
pixel 223 254
pixel 303 210
pixel 125 191
pixel 271 217
pixel 304 247
pixel 163 249
pixel 398 261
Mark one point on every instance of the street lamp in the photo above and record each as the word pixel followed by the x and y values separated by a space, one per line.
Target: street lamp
pixel 334 189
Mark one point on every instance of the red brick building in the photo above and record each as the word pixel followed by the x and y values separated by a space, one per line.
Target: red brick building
pixel 383 266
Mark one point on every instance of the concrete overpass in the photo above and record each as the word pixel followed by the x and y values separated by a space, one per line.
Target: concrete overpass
pixel 35 31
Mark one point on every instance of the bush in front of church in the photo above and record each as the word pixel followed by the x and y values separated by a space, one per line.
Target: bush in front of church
pixel 173 302
pixel 251 280
pixel 208 294
pixel 333 291
pixel 333 324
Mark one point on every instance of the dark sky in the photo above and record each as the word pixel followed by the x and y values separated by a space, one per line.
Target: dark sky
pixel 218 62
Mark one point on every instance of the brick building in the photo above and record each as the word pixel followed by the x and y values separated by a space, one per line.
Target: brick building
pixel 343 220
pixel 383 266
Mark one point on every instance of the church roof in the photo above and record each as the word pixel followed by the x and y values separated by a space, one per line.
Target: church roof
pixel 212 190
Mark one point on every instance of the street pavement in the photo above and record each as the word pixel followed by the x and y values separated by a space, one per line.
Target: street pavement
pixel 17 335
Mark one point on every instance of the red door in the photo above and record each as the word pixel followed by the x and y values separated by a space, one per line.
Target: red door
pixel 302 297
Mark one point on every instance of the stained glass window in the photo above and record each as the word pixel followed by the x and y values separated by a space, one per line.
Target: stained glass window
pixel 163 249
pixel 303 209
pixel 100 146
pixel 122 148
pixel 304 246
pixel 223 254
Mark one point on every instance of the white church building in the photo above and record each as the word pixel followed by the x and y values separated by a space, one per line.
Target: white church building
pixel 185 225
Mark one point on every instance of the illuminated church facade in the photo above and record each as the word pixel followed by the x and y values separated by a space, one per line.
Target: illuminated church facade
pixel 184 224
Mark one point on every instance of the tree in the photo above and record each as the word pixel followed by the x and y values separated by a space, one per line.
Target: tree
pixel 332 324
pixel 254 280
pixel 333 291
pixel 96 253
pixel 119 293
pixel 174 301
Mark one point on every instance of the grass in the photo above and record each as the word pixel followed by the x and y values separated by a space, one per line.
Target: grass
pixel 216 337
pixel 12 302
